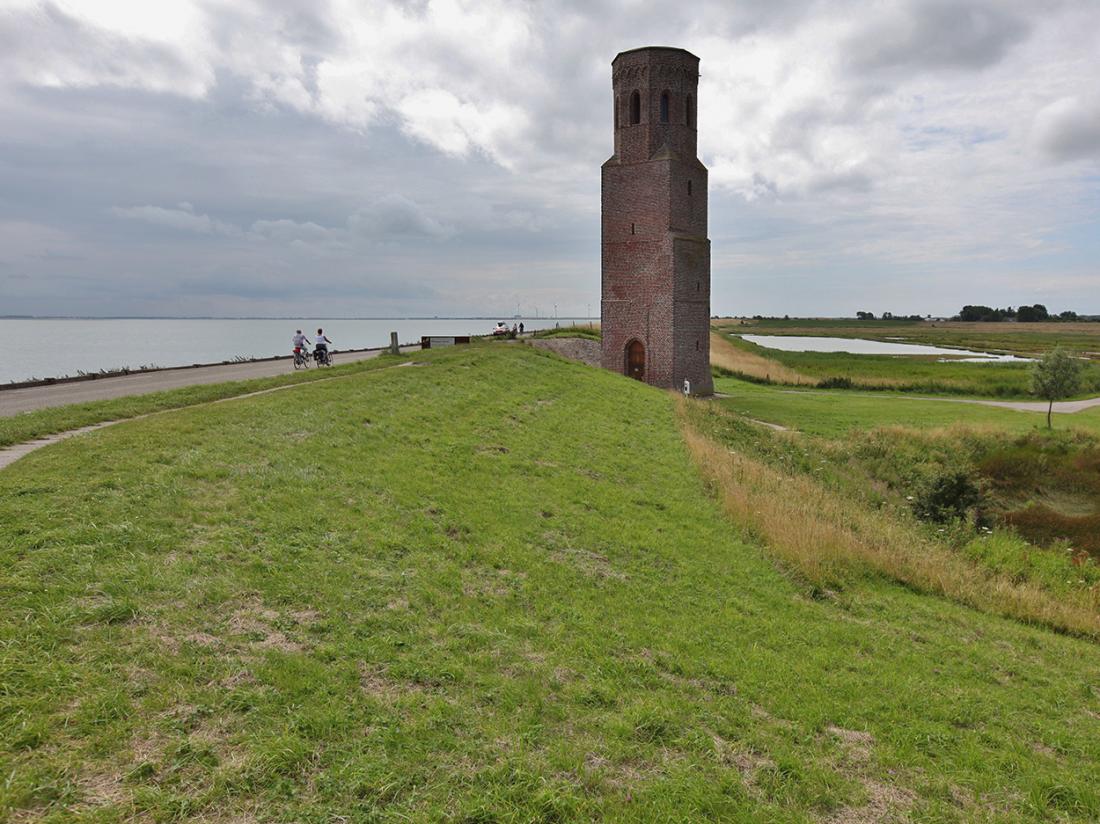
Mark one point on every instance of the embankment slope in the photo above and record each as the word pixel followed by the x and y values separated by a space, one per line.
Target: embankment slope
pixel 493 587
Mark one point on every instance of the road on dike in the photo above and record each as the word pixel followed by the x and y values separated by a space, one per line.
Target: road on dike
pixel 27 399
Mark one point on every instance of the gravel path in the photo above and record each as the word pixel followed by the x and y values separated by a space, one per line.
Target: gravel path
pixel 14 401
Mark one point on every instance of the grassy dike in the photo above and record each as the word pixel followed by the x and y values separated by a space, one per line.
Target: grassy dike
pixel 27 426
pixel 490 588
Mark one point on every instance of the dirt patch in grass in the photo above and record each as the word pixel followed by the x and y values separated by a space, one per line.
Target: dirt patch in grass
pixel 375 681
pixel 747 762
pixel 884 802
pixel 258 624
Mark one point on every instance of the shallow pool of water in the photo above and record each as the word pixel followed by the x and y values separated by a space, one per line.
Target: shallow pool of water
pixel 859 346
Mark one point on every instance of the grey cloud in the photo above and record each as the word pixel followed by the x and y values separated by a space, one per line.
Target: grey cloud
pixel 848 180
pixel 288 194
pixel 44 44
pixel 182 218
pixel 951 34
pixel 396 217
pixel 1069 129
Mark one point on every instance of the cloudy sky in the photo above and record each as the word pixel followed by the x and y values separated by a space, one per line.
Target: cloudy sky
pixel 353 157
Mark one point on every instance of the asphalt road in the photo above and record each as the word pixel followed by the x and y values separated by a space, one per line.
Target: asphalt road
pixel 14 401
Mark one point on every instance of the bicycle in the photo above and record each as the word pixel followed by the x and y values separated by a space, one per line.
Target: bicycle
pixel 323 357
pixel 301 358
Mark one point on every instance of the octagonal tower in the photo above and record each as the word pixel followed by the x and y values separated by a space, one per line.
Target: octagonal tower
pixel 655 304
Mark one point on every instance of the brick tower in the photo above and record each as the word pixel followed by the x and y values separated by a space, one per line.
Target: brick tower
pixel 655 306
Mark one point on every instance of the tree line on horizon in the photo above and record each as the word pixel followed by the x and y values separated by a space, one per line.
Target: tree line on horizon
pixel 1036 313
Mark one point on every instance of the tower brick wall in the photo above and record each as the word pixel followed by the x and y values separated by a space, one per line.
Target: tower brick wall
pixel 655 251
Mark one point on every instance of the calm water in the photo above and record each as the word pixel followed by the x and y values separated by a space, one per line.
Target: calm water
pixel 51 348
pixel 858 346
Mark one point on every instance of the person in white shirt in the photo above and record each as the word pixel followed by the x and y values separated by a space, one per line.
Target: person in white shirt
pixel 320 347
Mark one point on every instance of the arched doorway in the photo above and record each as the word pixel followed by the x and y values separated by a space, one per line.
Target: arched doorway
pixel 635 360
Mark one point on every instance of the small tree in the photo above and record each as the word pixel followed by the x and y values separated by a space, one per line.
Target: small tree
pixel 1054 376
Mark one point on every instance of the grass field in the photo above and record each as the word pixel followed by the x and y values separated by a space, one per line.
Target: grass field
pixel 913 374
pixel 837 412
pixel 30 425
pixel 1027 339
pixel 1043 484
pixel 489 588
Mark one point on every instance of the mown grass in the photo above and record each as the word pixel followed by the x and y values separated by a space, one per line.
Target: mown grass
pixel 590 331
pixel 27 426
pixel 834 413
pixel 491 588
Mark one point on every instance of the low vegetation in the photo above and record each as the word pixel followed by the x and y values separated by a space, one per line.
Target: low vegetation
pixel 589 331
pixel 837 511
pixel 1024 339
pixel 731 359
pixel 495 588
pixel 27 426
pixel 910 374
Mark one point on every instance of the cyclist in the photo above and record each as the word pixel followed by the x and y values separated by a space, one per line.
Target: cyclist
pixel 320 346
pixel 301 344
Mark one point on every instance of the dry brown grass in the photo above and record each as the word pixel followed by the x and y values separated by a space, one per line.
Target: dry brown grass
pixel 830 539
pixel 725 354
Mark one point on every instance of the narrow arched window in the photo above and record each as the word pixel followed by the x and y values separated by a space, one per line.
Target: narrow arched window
pixel 618 103
pixel 689 110
pixel 664 107
pixel 689 187
pixel 635 109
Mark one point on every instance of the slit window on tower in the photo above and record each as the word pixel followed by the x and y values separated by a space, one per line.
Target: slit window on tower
pixel 689 110
pixel 618 103
pixel 635 109
pixel 689 187
pixel 631 228
pixel 664 107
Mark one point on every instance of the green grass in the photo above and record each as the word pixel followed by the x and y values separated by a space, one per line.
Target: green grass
pixel 27 426
pixel 915 374
pixel 883 449
pixel 491 588
pixel 589 331
pixel 1016 338
pixel 834 413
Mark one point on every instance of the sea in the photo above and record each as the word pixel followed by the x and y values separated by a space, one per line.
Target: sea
pixel 55 347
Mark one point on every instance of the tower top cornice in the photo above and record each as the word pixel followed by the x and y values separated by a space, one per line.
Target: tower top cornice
pixel 656 50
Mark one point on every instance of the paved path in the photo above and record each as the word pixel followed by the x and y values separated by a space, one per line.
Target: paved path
pixel 14 401
pixel 11 454
pixel 1063 407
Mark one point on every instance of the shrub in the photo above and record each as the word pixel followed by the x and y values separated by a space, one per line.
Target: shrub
pixel 945 494
pixel 835 383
